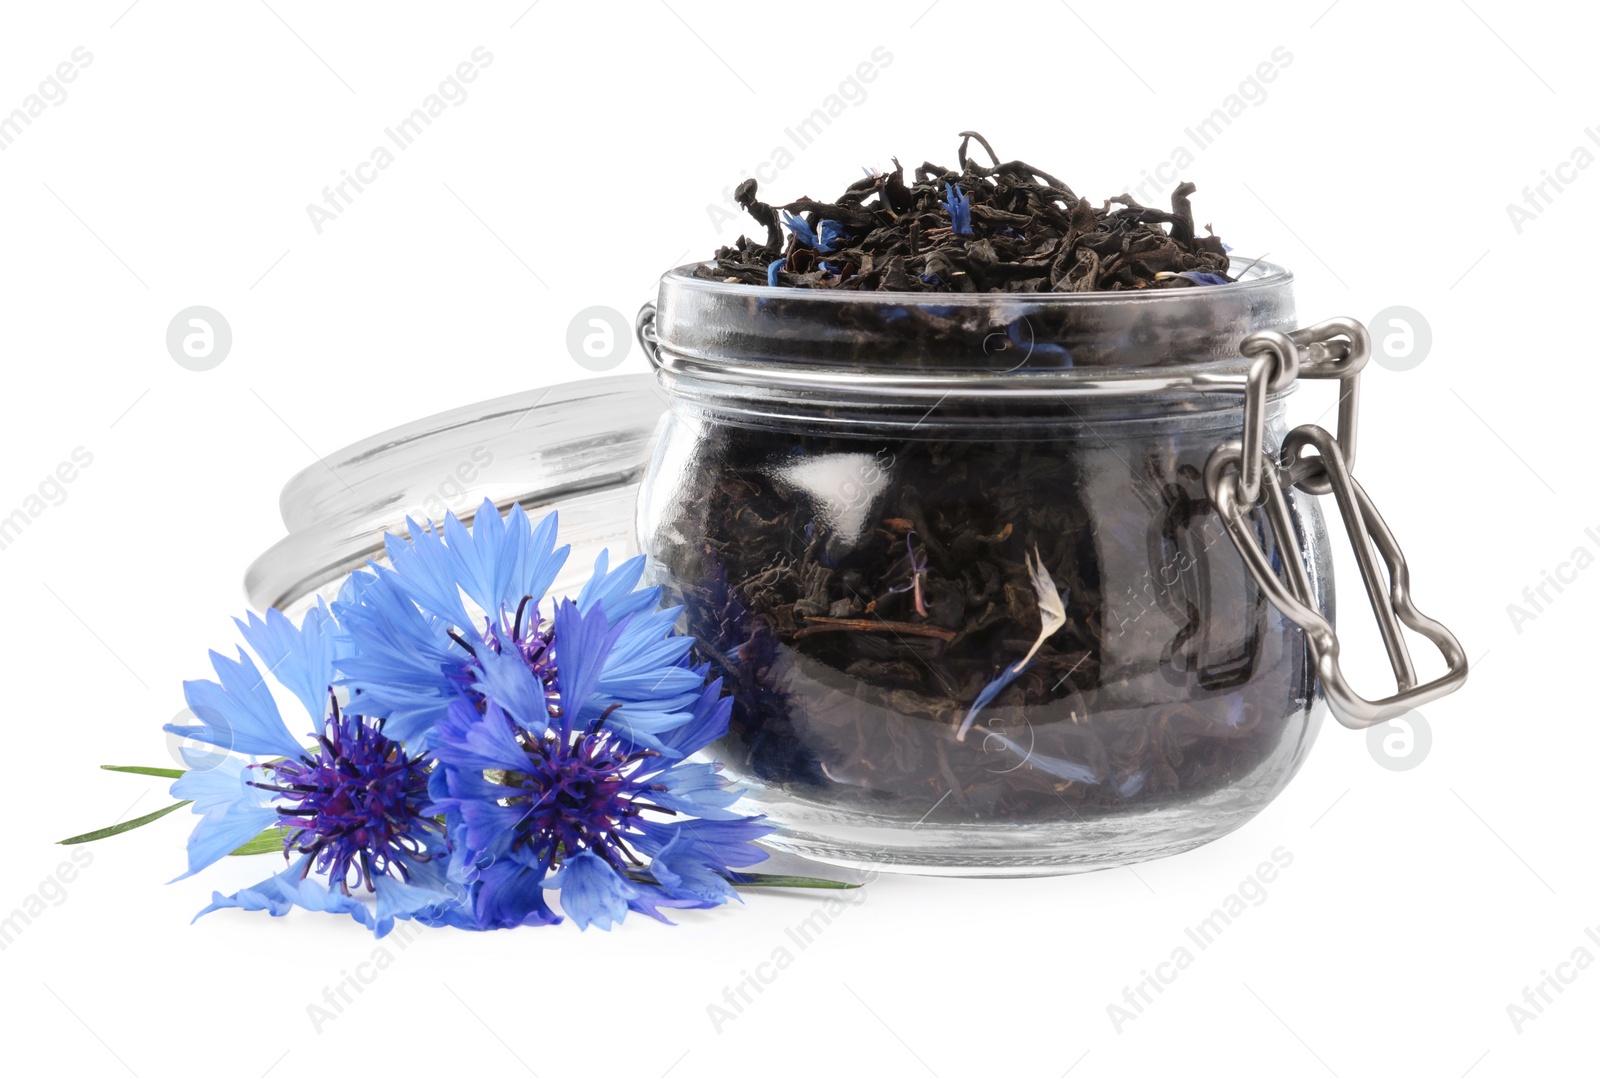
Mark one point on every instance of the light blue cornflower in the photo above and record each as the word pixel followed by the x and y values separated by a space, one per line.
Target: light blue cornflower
pixel 347 801
pixel 552 735
pixel 559 798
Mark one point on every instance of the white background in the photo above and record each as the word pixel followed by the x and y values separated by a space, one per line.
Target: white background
pixel 1379 165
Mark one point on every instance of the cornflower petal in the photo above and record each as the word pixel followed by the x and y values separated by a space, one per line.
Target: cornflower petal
pixel 708 722
pixel 613 589
pixel 224 829
pixel 511 895
pixel 1071 770
pixel 959 207
pixel 505 678
pixel 288 889
pixel 1052 617
pixel 697 789
pixel 583 642
pixel 682 874
pixel 829 234
pixel 423 570
pixel 715 842
pixel 592 892
pixel 802 231
pixel 485 742
pixel 237 711
pixel 298 657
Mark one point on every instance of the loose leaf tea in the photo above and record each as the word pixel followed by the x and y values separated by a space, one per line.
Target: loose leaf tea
pixel 1021 624
pixel 1016 608
pixel 1002 227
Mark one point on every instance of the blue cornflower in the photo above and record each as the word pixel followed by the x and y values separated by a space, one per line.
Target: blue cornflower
pixel 415 649
pixel 555 797
pixel 551 735
pixel 825 239
pixel 349 805
pixel 772 271
pixel 959 207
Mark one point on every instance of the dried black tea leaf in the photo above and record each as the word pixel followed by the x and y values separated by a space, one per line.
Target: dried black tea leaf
pixel 1000 227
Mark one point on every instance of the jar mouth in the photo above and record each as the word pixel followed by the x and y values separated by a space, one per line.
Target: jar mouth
pixel 1253 274
pixel 719 340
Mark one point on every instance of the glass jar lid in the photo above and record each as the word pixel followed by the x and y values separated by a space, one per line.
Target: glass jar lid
pixel 580 448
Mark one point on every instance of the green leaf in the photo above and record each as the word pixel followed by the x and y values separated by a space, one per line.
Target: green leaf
pixel 269 841
pixel 762 879
pixel 158 772
pixel 118 828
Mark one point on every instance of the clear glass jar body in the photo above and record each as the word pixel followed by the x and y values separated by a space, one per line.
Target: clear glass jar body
pixel 852 549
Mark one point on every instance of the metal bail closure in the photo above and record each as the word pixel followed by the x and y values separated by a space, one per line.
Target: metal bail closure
pixel 1290 591
pixel 644 328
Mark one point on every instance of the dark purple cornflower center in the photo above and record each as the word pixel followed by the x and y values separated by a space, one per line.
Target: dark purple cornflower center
pixel 578 793
pixel 356 803
pixel 579 789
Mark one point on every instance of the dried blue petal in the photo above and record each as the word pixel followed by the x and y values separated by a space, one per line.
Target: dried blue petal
pixel 1052 616
pixel 1060 767
pixel 829 233
pixel 801 230
pixel 959 207
pixel 772 270
pixel 1032 347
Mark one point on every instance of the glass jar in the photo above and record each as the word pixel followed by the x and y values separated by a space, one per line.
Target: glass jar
pixel 578 448
pixel 954 557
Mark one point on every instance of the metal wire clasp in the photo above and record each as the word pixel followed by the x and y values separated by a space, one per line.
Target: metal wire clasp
pixel 1240 474
pixel 644 328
